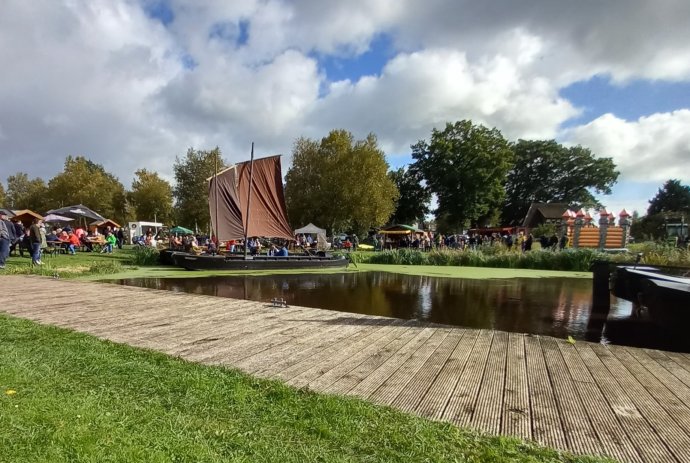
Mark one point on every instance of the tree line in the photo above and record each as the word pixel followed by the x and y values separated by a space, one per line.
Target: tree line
pixel 474 174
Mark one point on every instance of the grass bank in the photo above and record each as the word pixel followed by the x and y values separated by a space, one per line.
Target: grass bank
pixel 93 266
pixel 66 396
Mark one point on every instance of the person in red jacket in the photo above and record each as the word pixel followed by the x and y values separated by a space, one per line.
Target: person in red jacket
pixel 74 242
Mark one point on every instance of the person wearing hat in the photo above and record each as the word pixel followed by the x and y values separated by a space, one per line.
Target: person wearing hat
pixel 4 239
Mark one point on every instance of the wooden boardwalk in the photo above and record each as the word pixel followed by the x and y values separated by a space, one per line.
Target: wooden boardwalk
pixel 631 404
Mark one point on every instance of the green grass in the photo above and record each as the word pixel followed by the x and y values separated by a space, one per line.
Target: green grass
pixel 577 260
pixel 80 399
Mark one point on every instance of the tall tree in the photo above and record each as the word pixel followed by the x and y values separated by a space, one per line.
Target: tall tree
pixel 547 172
pixel 3 195
pixel 23 193
pixel 672 197
pixel 413 204
pixel 85 182
pixel 465 166
pixel 339 183
pixel 151 197
pixel 191 188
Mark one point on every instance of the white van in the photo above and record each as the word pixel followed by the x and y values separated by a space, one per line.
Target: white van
pixel 137 229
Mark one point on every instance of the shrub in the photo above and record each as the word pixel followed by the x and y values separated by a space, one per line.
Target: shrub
pixel 145 255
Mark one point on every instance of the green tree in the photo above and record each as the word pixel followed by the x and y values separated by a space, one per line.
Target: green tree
pixel 465 166
pixel 85 182
pixel 547 172
pixel 151 197
pixel 413 204
pixel 23 193
pixel 191 186
pixel 673 197
pixel 339 183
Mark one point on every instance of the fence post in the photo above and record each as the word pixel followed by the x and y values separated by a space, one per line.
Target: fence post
pixel 624 222
pixel 603 228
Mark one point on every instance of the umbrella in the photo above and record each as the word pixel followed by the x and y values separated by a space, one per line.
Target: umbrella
pixel 56 218
pixel 7 212
pixel 181 231
pixel 77 212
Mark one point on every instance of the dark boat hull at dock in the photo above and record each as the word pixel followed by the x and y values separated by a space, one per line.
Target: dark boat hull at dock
pixel 668 303
pixel 666 297
pixel 204 262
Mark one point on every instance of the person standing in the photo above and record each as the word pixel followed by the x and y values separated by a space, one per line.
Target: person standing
pixel 528 242
pixel 120 235
pixel 4 241
pixel 35 240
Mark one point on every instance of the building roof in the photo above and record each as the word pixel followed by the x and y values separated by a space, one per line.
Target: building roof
pixel 539 212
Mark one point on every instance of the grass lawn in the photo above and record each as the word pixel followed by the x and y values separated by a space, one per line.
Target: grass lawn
pixel 66 396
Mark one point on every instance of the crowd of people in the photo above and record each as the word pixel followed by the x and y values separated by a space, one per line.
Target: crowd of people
pixel 428 241
pixel 39 238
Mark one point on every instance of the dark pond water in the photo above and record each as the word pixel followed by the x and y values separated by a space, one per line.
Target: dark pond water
pixel 557 307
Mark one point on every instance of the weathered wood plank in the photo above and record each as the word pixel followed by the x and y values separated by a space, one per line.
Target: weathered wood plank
pixel 488 410
pixel 673 437
pixel 391 388
pixel 612 436
pixel 338 373
pixel 376 377
pixel 516 419
pixel 547 427
pixel 434 402
pixel 461 404
pixel 411 395
pixel 338 332
pixel 671 394
pixel 647 443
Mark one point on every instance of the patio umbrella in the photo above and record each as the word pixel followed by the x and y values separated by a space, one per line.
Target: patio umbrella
pixel 181 231
pixel 56 218
pixel 77 212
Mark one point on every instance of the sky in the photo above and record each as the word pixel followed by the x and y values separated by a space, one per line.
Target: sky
pixel 132 84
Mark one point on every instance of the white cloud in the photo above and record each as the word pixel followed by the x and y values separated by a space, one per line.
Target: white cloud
pixel 102 79
pixel 419 91
pixel 655 147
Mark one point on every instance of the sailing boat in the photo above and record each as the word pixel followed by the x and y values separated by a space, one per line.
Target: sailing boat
pixel 247 200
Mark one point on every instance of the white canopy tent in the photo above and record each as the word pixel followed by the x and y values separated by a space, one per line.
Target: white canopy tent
pixel 320 233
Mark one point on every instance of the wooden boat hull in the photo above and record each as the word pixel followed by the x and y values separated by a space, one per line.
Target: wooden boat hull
pixel 204 262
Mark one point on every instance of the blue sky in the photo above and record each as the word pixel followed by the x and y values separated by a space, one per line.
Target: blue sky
pixel 132 84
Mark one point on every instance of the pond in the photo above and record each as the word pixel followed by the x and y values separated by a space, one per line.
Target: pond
pixel 559 307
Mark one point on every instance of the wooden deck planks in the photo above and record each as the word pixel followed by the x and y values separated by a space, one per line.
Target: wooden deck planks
pixel 576 424
pixel 516 420
pixel 612 436
pixel 434 402
pixel 489 407
pixel 632 404
pixel 393 386
pixel 332 370
pixel 411 395
pixel 670 434
pixel 461 403
pixel 378 375
pixel 647 443
pixel 547 427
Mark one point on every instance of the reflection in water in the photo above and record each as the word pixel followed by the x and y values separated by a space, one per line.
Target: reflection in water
pixel 557 307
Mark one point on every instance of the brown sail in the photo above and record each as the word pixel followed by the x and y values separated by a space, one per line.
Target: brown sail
pixel 230 191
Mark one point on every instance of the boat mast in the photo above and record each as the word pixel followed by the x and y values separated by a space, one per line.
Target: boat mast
pixel 249 199
pixel 215 197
